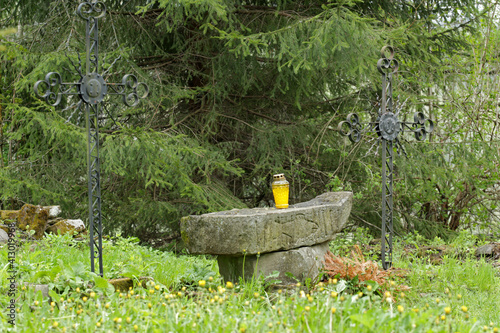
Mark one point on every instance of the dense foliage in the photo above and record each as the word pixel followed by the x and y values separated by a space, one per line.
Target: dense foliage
pixel 244 89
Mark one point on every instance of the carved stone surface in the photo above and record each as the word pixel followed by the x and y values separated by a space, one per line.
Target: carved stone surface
pixel 302 263
pixel 265 230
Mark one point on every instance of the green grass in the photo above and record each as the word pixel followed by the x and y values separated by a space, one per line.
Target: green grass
pixel 176 301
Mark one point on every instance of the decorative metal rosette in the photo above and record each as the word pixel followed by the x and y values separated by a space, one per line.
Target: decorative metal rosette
pixel 388 126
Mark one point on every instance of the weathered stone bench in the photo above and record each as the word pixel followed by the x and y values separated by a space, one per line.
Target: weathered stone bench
pixel 264 240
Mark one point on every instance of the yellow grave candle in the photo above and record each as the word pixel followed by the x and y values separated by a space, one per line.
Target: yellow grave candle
pixel 280 190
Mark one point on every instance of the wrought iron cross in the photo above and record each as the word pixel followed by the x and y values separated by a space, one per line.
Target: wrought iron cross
pixel 91 90
pixel 387 126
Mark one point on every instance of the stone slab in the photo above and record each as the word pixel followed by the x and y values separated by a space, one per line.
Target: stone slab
pixel 303 263
pixel 267 229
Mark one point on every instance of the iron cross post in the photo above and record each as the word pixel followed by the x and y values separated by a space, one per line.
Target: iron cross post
pixel 91 90
pixel 387 126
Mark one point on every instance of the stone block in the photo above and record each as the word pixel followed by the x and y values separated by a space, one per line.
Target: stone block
pixel 65 226
pixel 267 229
pixel 302 263
pixel 33 217
pixel 4 236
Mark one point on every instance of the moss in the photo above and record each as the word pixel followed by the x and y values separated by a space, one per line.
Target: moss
pixel 64 227
pixel 35 217
pixel 184 236
pixel 8 215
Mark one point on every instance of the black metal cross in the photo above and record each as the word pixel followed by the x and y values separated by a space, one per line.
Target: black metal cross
pixel 387 126
pixel 92 90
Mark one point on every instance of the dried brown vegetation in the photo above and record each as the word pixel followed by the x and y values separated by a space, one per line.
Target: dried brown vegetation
pixel 357 266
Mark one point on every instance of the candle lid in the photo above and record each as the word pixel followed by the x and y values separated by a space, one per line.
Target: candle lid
pixel 279 176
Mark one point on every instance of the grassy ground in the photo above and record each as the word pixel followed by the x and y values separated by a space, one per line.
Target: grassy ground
pixel 187 295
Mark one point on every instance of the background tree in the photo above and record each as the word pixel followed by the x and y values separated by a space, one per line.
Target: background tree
pixel 242 90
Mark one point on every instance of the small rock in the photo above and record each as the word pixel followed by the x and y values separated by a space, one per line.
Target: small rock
pixel 66 226
pixel 54 211
pixel 4 237
pixel 488 250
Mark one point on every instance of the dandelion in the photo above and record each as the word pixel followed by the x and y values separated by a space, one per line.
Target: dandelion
pixel 55 324
pixel 360 294
pixel 98 324
pixel 157 287
pixel 387 294
pixel 438 300
pixel 210 279
pixel 256 295
pixel 463 308
pixel 128 320
pixel 307 308
pixel 333 294
pixel 447 310
pixel 459 296
pixel 334 310
pixel 136 328
pixel 52 303
pixel 443 317
pixel 92 294
pixel 369 288
pixel 401 309
pixel 229 285
pixel 202 283
pixel 84 299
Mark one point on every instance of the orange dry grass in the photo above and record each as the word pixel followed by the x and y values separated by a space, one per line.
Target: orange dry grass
pixel 348 268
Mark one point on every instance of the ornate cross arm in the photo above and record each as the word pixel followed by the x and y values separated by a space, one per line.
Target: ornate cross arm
pixel 421 126
pixel 130 89
pixel 52 88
